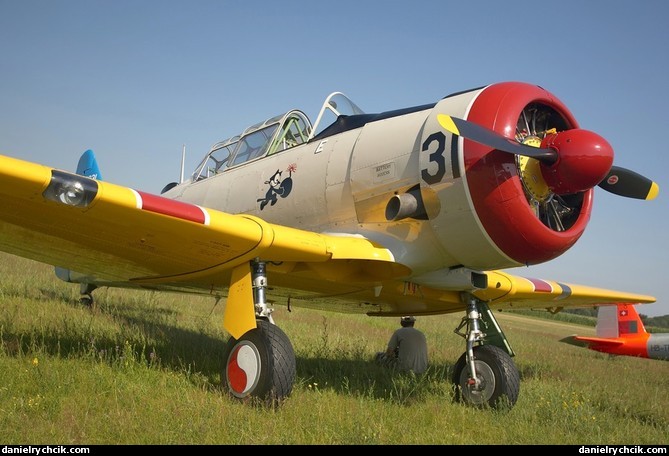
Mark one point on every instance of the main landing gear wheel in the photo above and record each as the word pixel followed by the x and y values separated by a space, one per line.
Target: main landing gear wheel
pixel 86 294
pixel 260 365
pixel 499 383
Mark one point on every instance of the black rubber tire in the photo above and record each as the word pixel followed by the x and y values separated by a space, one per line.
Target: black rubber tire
pixel 260 365
pixel 500 379
pixel 87 300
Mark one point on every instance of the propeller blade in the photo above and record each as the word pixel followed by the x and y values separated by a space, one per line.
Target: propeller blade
pixel 573 173
pixel 624 182
pixel 493 139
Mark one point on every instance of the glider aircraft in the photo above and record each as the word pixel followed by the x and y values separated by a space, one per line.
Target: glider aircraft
pixel 415 211
pixel 620 331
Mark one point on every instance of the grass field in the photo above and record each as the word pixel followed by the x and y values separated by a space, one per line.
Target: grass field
pixel 144 368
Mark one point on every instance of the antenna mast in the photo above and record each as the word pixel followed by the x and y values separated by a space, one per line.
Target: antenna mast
pixel 183 162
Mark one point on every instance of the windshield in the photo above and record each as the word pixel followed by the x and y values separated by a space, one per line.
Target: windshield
pixel 335 105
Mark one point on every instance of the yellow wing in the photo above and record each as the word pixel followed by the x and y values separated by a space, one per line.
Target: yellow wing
pixel 507 291
pixel 126 235
pixel 122 236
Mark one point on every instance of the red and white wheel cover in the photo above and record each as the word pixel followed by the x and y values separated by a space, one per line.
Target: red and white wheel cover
pixel 243 369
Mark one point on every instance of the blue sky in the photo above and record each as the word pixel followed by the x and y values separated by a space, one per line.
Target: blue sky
pixel 136 80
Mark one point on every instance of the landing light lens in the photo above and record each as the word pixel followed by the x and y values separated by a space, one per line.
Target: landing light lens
pixel 71 189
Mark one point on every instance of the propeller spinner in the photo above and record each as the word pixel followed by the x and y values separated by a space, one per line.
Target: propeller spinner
pixel 572 161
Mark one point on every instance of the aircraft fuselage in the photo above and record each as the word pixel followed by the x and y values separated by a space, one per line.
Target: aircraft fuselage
pixel 403 180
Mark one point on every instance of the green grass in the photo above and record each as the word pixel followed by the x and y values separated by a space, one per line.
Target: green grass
pixel 144 368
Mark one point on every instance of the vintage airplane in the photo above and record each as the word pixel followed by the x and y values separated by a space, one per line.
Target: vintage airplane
pixel 415 211
pixel 620 331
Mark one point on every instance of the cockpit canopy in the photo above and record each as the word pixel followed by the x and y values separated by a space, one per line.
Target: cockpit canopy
pixel 269 137
pixel 272 136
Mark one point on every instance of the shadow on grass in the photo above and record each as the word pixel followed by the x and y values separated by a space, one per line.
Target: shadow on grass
pixel 146 337
pixel 362 377
pixel 145 340
pixel 141 338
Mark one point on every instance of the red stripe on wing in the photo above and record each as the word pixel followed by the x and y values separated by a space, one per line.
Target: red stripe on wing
pixel 541 286
pixel 173 208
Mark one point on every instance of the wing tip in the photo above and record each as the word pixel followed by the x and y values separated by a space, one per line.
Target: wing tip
pixel 573 340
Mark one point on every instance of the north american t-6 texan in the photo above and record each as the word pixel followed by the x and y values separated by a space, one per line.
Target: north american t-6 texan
pixel 416 211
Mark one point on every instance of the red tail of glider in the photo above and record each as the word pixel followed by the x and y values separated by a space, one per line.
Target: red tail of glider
pixel 620 331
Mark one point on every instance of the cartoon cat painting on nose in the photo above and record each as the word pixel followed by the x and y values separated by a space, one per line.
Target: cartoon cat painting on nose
pixel 278 187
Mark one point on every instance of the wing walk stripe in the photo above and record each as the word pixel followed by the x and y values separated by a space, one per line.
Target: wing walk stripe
pixel 207 218
pixel 138 199
pixel 165 206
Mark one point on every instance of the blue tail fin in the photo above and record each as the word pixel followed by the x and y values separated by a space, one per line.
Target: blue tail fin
pixel 88 166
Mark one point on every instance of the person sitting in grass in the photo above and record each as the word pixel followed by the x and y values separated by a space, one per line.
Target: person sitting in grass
pixel 407 348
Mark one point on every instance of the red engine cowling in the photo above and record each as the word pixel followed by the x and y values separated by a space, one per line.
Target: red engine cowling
pixel 523 215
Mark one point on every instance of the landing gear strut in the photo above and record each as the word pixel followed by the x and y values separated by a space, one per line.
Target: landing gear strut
pixel 260 365
pixel 485 375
